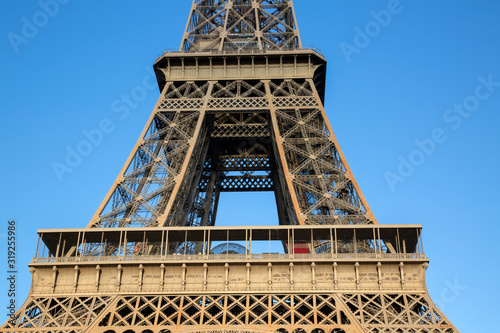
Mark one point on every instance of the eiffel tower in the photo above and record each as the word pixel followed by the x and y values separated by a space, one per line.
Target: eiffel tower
pixel 241 109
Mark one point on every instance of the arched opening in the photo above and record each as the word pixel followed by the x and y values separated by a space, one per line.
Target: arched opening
pixel 318 330
pixel 299 330
pixel 281 330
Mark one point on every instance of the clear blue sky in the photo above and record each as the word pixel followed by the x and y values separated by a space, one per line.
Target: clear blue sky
pixel 397 88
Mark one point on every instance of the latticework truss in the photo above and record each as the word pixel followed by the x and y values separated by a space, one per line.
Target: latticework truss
pixel 240 110
pixel 58 314
pixel 291 312
pixel 208 137
pixel 396 313
pixel 232 25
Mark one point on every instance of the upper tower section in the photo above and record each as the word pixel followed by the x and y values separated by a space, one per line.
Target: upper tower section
pixel 241 25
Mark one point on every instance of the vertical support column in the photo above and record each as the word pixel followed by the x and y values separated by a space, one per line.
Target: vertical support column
pixel 336 244
pixel 270 276
pixel 162 282
pixel 82 250
pixel 54 277
pixel 248 266
pixel 425 266
pixel 258 32
pixel 401 270
pixel 166 245
pixel 119 278
pixel 281 156
pixel 141 276
pixel 335 277
pixel 280 199
pixel 379 273
pixel 58 246
pixel 205 276
pixel 37 252
pixel 223 35
pixel 421 242
pixel 184 271
pixel 374 240
pixel 291 276
pixel 226 281
pixel 75 282
pixel 313 275
pixel 97 277
pixel 356 268
pixel 32 270
pixel 209 198
pixel 332 244
pixel 124 252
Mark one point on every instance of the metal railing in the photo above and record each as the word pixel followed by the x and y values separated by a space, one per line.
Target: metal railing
pixel 239 257
pixel 243 51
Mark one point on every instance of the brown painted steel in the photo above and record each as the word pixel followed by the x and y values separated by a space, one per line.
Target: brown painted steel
pixel 241 109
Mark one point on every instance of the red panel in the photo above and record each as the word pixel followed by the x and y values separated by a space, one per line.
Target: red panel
pixel 300 248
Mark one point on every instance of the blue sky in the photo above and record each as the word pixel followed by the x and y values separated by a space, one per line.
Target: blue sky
pixel 414 105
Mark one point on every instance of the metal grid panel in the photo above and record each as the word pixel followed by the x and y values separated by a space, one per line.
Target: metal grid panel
pixel 233 25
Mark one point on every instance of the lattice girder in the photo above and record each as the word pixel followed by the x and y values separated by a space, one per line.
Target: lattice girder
pixel 259 312
pixel 241 109
pixel 241 25
pixel 382 312
pixel 166 180
pixel 61 314
pixel 141 194
pixel 397 313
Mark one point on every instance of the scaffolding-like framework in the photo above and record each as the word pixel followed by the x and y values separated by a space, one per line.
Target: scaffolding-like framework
pixel 241 109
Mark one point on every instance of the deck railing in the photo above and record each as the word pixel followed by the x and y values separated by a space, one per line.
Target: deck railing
pixel 242 51
pixel 238 257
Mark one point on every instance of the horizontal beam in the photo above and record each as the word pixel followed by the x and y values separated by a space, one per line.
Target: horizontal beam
pixel 272 227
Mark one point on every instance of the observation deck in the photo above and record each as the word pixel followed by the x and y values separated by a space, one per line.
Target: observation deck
pixel 257 258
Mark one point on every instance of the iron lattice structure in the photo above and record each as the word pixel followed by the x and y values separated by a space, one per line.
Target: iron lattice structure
pixel 241 25
pixel 241 109
pixel 274 138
